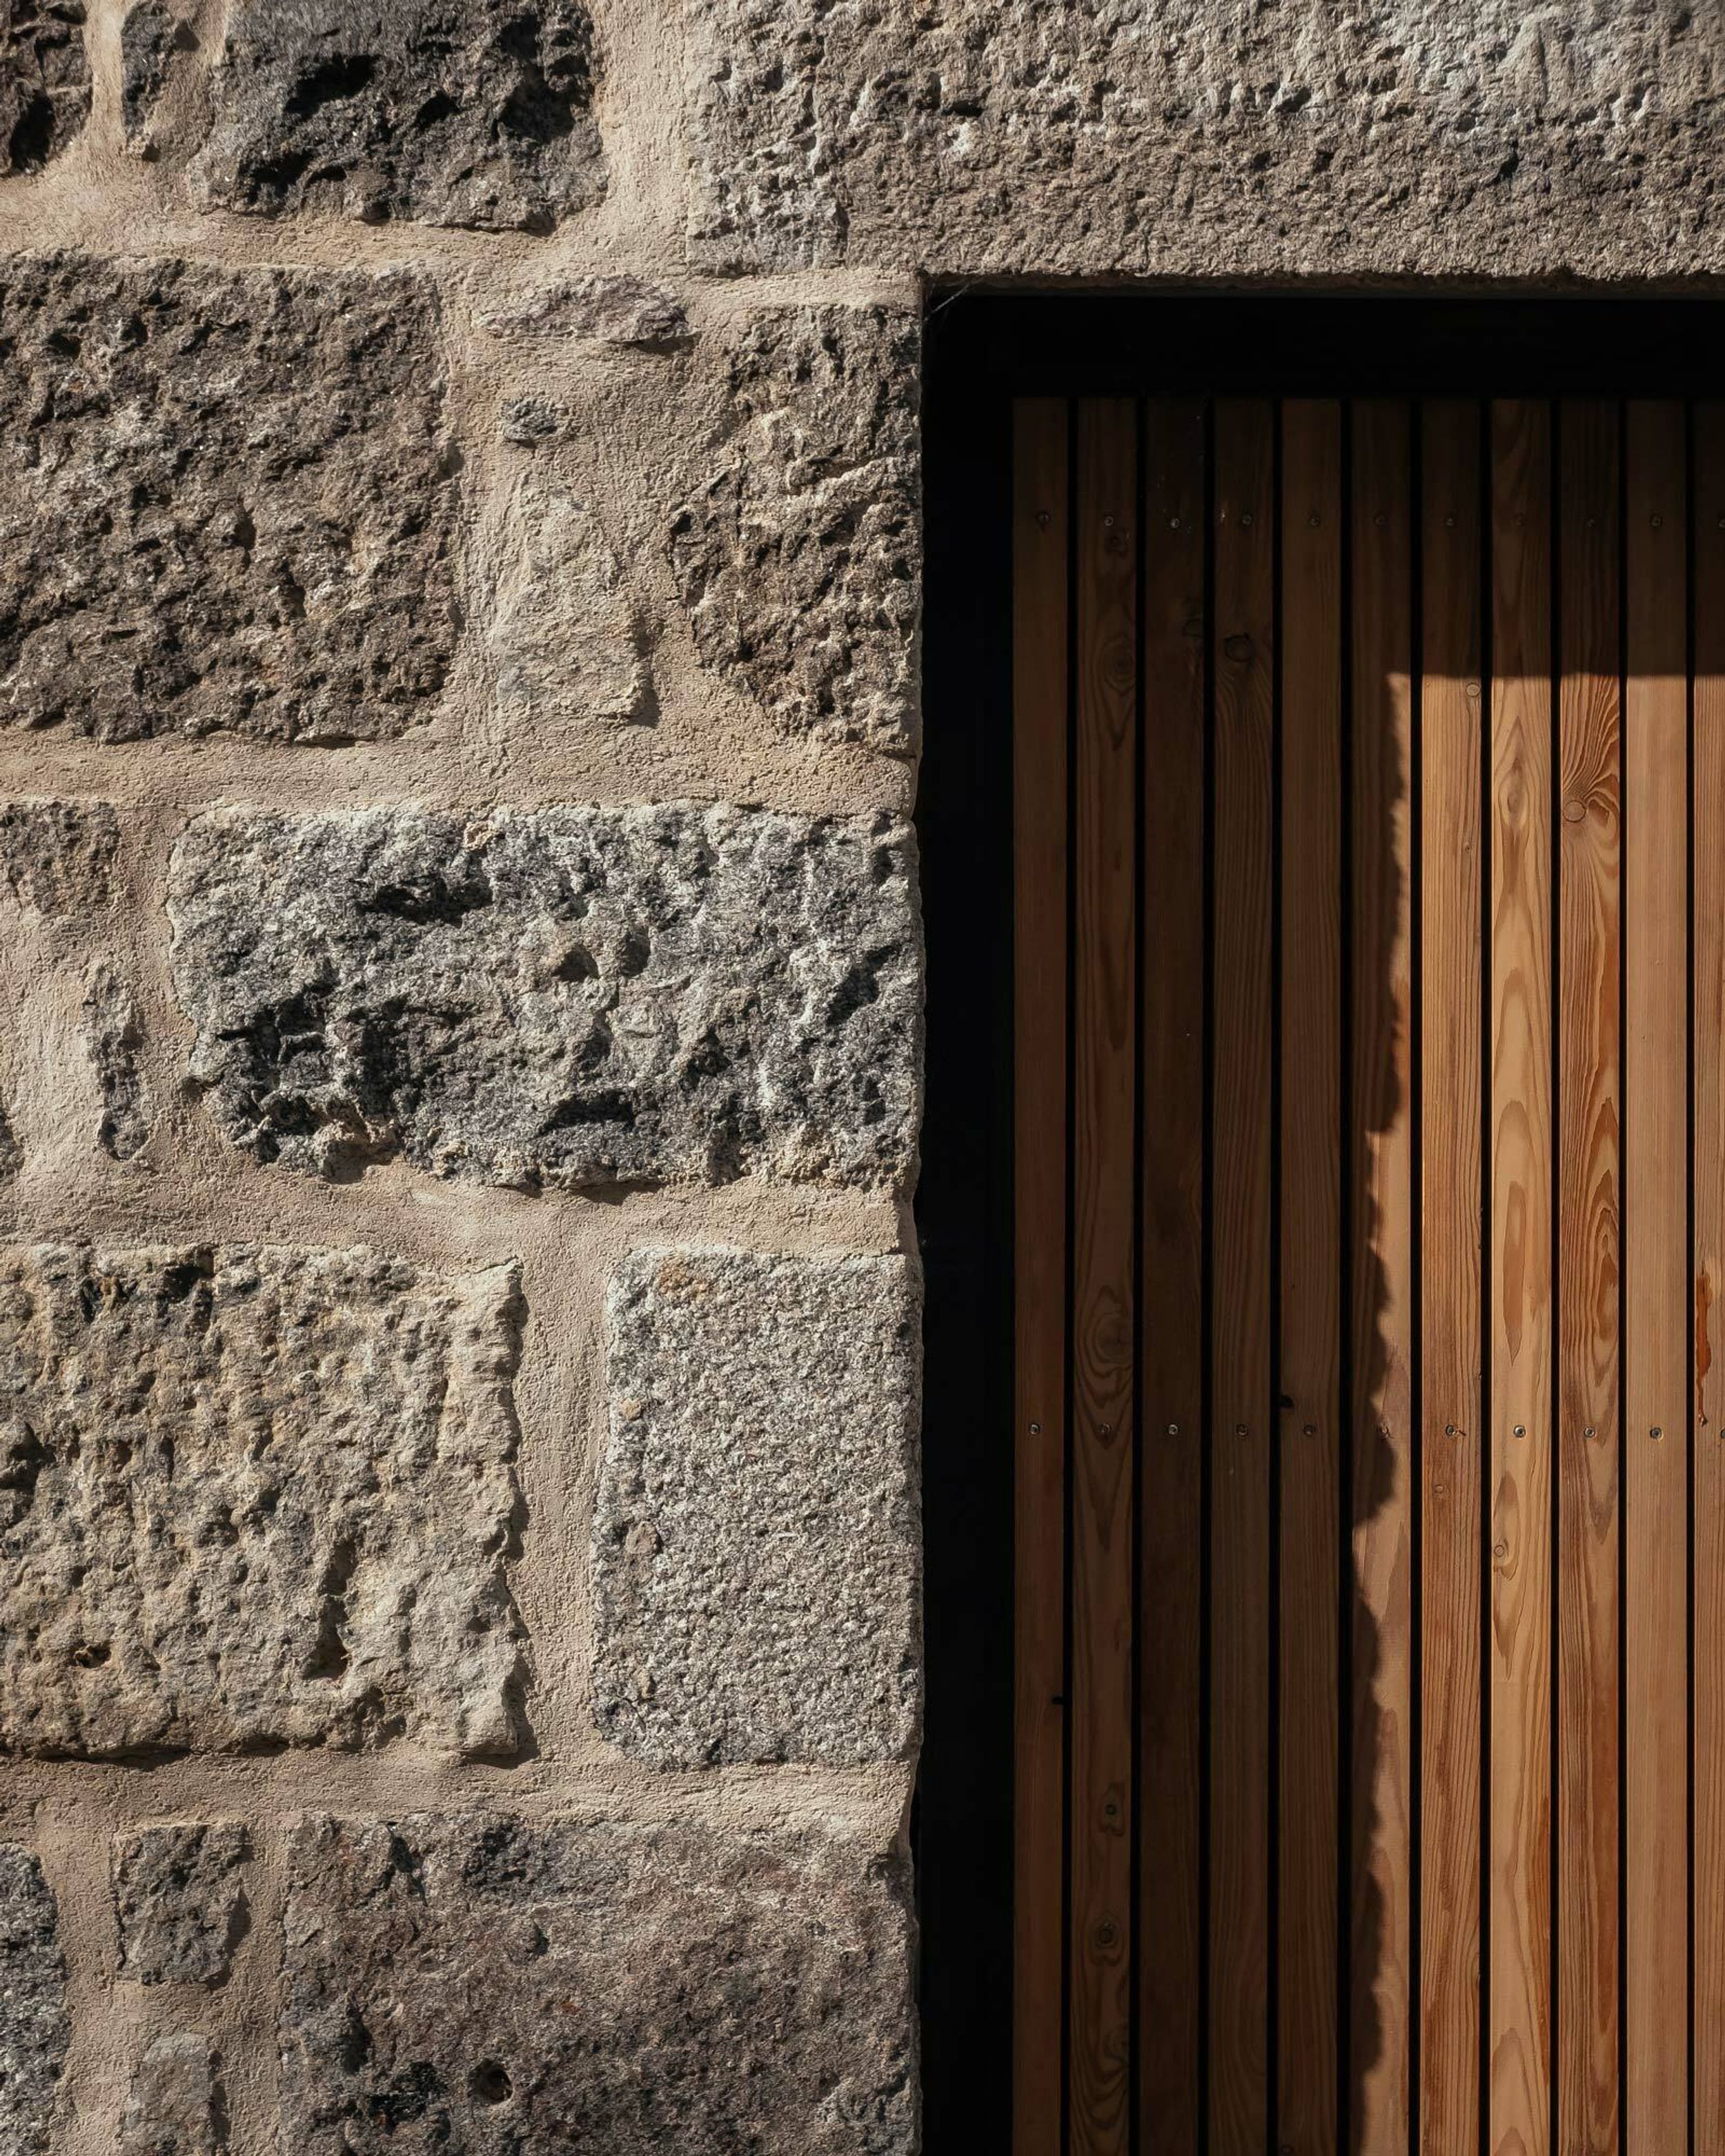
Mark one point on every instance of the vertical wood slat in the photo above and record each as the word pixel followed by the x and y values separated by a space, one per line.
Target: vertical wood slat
pixel 1241 1274
pixel 1708 821
pixel 1381 830
pixel 1520 1276
pixel 1656 1284
pixel 1450 1449
pixel 1589 1271
pixel 1170 1520
pixel 1309 1436
pixel 1105 782
pixel 1039 652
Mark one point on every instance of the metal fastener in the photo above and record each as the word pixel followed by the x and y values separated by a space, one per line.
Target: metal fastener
pixel 1309 1429
pixel 1173 1430
pixel 1036 1430
pixel 1240 1429
pixel 1521 1430
pixel 1655 1431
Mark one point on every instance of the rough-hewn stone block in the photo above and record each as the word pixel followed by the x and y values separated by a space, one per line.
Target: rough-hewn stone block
pixel 57 857
pixel 226 501
pixel 179 1900
pixel 152 40
pixel 1072 136
pixel 493 1986
pixel 254 1496
pixel 113 1034
pixel 35 2029
pixel 561 996
pixel 44 80
pixel 799 558
pixel 618 309
pixel 175 2106
pixel 563 631
pixel 466 112
pixel 756 1541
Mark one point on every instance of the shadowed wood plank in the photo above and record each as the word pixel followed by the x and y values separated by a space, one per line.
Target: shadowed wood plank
pixel 1040 643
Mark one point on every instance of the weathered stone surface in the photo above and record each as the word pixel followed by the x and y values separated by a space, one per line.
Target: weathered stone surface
pixel 560 996
pixel 756 1543
pixel 464 112
pixel 610 310
pixel 57 857
pixel 44 80
pixel 567 641
pixel 1199 136
pixel 35 2029
pixel 151 39
pixel 226 501
pixel 799 557
pixel 12 1156
pixel 179 1898
pixel 113 1034
pixel 253 1497
pixel 493 1986
pixel 175 2105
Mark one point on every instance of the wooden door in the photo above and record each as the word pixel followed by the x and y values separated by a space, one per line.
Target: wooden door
pixel 1370 833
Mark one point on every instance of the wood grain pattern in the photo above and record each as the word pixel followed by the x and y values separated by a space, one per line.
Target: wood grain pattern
pixel 1308 1620
pixel 1520 1283
pixel 1039 646
pixel 1655 1285
pixel 1170 1518
pixel 1382 1301
pixel 1105 782
pixel 1590 1273
pixel 1241 1271
pixel 1451 1448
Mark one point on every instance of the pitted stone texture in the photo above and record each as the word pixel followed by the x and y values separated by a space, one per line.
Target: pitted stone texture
pixel 562 996
pixel 35 2029
pixel 461 112
pixel 756 1543
pixel 615 311
pixel 113 1034
pixel 253 1497
pixel 226 501
pixel 799 558
pixel 56 857
pixel 494 1986
pixel 152 40
pixel 564 633
pixel 175 2105
pixel 1078 136
pixel 179 1896
pixel 44 81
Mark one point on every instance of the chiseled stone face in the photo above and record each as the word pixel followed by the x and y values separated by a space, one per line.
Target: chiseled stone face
pixel 463 112
pixel 799 558
pixel 35 2029
pixel 226 501
pixel 179 1898
pixel 44 80
pixel 56 857
pixel 755 1543
pixel 1207 137
pixel 494 1986
pixel 253 1496
pixel 558 997
pixel 174 2106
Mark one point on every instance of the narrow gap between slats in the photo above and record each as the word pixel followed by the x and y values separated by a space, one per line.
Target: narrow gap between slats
pixel 1137 1944
pixel 1486 1403
pixel 1555 587
pixel 1272 1989
pixel 1345 1585
pixel 1070 1052
pixel 1625 1201
pixel 1416 1312
pixel 1207 1286
pixel 1689 1420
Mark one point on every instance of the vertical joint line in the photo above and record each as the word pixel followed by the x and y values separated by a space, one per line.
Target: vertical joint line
pixel 1272 1989
pixel 1074 521
pixel 1206 1272
pixel 1487 1404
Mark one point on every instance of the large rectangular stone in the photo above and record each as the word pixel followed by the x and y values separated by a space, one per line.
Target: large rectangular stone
pixel 35 2029
pixel 755 1548
pixel 559 997
pixel 251 1497
pixel 44 81
pixel 227 500
pixel 496 1986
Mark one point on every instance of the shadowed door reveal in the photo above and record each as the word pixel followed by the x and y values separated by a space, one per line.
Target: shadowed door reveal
pixel 1369 1215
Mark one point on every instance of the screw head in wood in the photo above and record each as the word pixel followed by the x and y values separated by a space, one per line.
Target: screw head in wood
pixel 1450 1429
pixel 1588 1431
pixel 1173 1430
pixel 1247 519
pixel 1309 1429
pixel 1240 1429
pixel 1655 521
pixel 1656 1431
pixel 1036 1430
pixel 1521 1430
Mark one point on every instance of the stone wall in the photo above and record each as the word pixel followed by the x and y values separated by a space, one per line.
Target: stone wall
pixel 460 982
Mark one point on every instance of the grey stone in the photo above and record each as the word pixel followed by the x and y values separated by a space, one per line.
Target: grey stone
pixel 1209 136
pixel 114 1035
pixel 44 80
pixel 179 1898
pixel 531 419
pixel 175 2105
pixel 564 633
pixel 56 857
pixel 462 112
pixel 12 1155
pixel 559 996
pixel 799 555
pixel 226 501
pixel 756 1541
pixel 253 1497
pixel 35 2029
pixel 496 1986
pixel 153 42
pixel 606 309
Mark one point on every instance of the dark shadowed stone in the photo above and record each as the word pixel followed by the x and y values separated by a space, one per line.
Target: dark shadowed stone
pixel 175 2105
pixel 56 857
pixel 113 1033
pixel 494 1986
pixel 755 1543
pixel 253 1497
pixel 225 500
pixel 151 39
pixel 44 81
pixel 800 556
pixel 35 2029
pixel 558 996
pixel 466 112
pixel 179 1898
